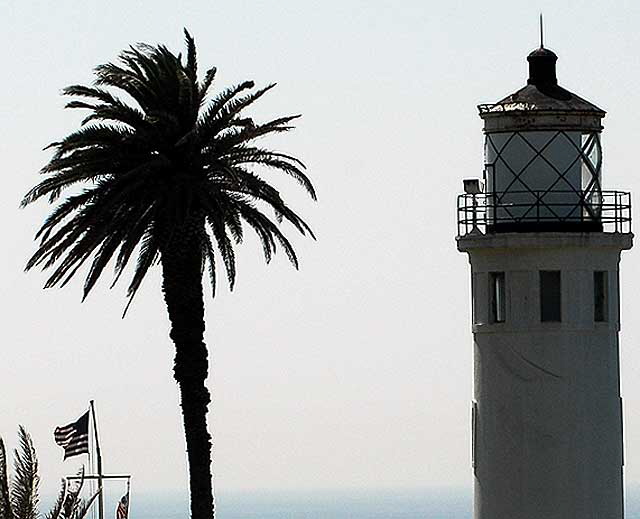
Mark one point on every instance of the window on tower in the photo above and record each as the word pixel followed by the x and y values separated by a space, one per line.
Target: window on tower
pixel 600 289
pixel 497 303
pixel 550 296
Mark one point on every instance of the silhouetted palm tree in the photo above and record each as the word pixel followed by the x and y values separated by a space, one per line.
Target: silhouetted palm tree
pixel 169 177
pixel 19 495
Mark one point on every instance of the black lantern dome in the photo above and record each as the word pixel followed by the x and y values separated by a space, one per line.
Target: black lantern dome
pixel 542 67
pixel 542 91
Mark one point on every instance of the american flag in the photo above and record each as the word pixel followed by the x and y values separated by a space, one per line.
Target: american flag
pixel 122 511
pixel 74 438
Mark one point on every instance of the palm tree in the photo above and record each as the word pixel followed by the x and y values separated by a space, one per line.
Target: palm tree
pixel 19 495
pixel 169 178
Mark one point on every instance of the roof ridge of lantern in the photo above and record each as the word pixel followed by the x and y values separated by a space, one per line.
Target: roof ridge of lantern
pixel 542 93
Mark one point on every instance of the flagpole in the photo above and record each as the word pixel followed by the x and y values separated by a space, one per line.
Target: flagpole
pixel 128 497
pixel 99 460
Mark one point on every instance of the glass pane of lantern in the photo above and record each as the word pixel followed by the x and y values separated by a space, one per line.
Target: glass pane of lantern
pixel 597 154
pixel 591 174
pixel 591 149
pixel 510 155
pixel 562 155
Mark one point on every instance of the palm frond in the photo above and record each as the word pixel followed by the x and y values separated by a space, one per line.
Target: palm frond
pixel 207 117
pixel 149 252
pixel 24 486
pixel 251 214
pixel 131 241
pixel 210 263
pixel 251 155
pixel 99 94
pixel 225 246
pixel 83 506
pixel 206 83
pixel 56 510
pixel 219 115
pixel 6 511
pixel 73 506
pixel 192 63
pixel 72 498
pixel 265 237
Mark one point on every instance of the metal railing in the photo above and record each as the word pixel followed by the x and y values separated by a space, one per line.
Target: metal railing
pixel 530 211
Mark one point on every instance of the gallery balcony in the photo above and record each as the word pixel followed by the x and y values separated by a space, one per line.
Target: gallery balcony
pixel 544 211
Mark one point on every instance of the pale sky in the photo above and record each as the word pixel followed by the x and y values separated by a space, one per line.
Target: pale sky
pixel 356 371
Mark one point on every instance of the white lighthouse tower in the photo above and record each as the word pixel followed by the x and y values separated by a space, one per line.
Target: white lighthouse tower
pixel 544 242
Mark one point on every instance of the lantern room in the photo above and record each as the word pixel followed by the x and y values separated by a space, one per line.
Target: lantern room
pixel 543 162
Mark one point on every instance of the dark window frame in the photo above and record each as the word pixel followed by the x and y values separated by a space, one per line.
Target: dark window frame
pixel 550 296
pixel 601 296
pixel 497 297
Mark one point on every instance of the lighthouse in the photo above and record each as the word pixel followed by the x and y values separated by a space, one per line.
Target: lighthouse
pixel 544 240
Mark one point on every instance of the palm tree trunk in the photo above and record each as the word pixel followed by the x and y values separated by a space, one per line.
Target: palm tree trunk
pixel 182 287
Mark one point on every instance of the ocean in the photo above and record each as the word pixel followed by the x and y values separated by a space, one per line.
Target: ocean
pixel 410 504
pixel 441 504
